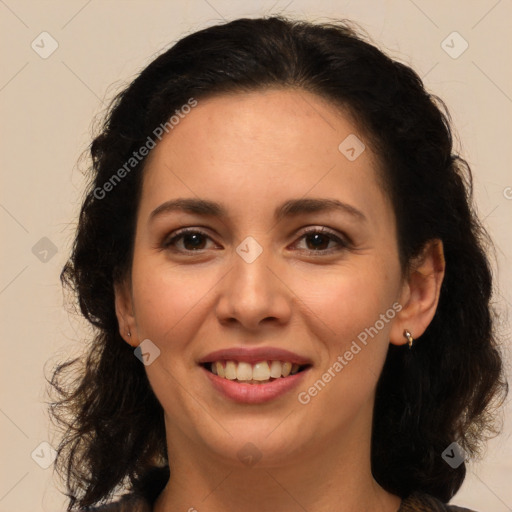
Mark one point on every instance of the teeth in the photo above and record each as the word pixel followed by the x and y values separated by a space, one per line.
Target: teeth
pixel 262 371
pixel 275 369
pixel 244 371
pixel 220 369
pixel 231 372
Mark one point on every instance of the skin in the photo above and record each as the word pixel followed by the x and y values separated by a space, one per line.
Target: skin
pixel 252 152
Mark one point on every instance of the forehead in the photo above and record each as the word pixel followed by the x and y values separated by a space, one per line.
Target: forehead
pixel 282 120
pixel 250 148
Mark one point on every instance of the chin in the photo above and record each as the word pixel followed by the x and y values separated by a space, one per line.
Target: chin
pixel 256 445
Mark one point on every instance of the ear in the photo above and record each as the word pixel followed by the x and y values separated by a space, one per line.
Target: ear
pixel 124 312
pixel 420 293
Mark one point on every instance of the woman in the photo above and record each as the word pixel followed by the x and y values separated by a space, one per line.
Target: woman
pixel 288 283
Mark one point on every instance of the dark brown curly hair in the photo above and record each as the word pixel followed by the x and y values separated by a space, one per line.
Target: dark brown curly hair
pixel 446 389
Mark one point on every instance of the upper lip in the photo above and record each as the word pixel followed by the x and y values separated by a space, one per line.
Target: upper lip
pixel 254 355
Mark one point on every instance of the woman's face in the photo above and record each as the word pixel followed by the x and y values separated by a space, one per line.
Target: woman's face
pixel 250 285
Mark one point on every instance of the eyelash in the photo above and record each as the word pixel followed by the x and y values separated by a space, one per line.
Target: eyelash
pixel 344 244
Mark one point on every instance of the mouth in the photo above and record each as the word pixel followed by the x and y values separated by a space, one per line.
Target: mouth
pixel 258 373
pixel 254 375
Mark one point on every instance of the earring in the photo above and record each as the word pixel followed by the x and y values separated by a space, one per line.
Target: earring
pixel 409 337
pixel 129 334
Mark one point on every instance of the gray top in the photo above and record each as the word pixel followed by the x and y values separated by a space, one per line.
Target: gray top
pixel 415 502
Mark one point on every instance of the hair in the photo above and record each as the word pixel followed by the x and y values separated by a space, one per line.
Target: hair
pixel 445 389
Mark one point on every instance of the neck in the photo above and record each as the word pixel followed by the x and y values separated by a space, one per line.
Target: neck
pixel 334 474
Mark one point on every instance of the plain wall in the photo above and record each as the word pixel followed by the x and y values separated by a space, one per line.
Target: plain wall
pixel 48 106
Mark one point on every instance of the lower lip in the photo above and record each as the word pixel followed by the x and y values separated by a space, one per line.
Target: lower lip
pixel 254 393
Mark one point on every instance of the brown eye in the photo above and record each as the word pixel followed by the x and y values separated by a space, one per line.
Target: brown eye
pixel 318 240
pixel 193 240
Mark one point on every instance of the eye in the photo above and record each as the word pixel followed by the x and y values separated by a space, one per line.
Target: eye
pixel 320 238
pixel 192 238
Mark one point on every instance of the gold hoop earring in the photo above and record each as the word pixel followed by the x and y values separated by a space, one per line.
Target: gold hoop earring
pixel 409 337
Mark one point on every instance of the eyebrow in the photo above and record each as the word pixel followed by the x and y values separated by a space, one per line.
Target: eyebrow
pixel 290 208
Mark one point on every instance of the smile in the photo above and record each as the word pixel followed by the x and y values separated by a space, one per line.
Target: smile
pixel 254 375
pixel 261 372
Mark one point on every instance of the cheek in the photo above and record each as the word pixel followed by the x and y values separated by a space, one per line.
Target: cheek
pixel 357 306
pixel 165 299
pixel 350 299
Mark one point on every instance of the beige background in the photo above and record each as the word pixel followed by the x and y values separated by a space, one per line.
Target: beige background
pixel 47 107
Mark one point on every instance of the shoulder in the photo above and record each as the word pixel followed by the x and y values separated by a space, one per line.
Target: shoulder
pixel 127 503
pixel 421 502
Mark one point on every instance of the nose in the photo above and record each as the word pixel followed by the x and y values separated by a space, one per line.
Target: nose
pixel 254 293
